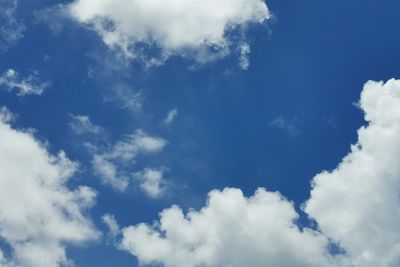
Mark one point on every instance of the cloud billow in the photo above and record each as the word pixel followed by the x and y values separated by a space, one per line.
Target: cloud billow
pixel 39 214
pixel 190 28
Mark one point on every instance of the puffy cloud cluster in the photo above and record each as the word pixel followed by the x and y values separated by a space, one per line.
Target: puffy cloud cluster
pixel 198 29
pixel 356 207
pixel 230 231
pixel 358 203
pixel 39 214
pixel 11 80
pixel 107 163
pixel 12 28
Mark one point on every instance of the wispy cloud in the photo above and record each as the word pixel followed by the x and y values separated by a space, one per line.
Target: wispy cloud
pixel 289 126
pixel 11 28
pixel 151 181
pixel 171 116
pixel 108 163
pixel 125 97
pixel 11 80
pixel 81 124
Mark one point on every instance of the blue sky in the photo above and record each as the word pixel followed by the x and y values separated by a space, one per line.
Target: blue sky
pixel 291 113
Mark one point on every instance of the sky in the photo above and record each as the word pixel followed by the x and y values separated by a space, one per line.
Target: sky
pixel 184 133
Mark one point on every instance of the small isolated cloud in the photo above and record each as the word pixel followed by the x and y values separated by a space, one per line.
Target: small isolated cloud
pixel 81 124
pixel 39 214
pixel 11 80
pixel 151 181
pixel 107 163
pixel 289 126
pixel 171 116
pixel 244 51
pixel 355 207
pixel 109 173
pixel 111 223
pixel 11 28
pixel 202 30
pixel 125 97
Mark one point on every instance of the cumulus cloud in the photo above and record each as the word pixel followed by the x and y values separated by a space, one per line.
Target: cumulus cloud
pixel 108 163
pixel 39 214
pixel 358 203
pixel 11 80
pixel 201 30
pixel 11 28
pixel 151 182
pixel 81 124
pixel 171 116
pixel 356 208
pixel 231 230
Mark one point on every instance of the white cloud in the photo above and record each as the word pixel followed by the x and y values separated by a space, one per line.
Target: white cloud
pixel 5 115
pixel 125 97
pixel 356 206
pixel 151 182
pixel 185 27
pixel 244 61
pixel 107 164
pixel 171 116
pixel 81 124
pixel 11 80
pixel 11 29
pixel 358 203
pixel 231 230
pixel 111 223
pixel 39 214
pixel 109 173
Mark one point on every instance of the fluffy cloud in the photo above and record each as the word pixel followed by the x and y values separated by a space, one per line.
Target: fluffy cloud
pixel 186 27
pixel 11 80
pixel 151 182
pixel 12 28
pixel 81 124
pixel 231 230
pixel 356 207
pixel 358 203
pixel 39 214
pixel 107 164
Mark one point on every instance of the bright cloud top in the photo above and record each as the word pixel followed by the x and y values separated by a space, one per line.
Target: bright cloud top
pixel 356 206
pixel 39 215
pixel 230 231
pixel 11 80
pixel 191 28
